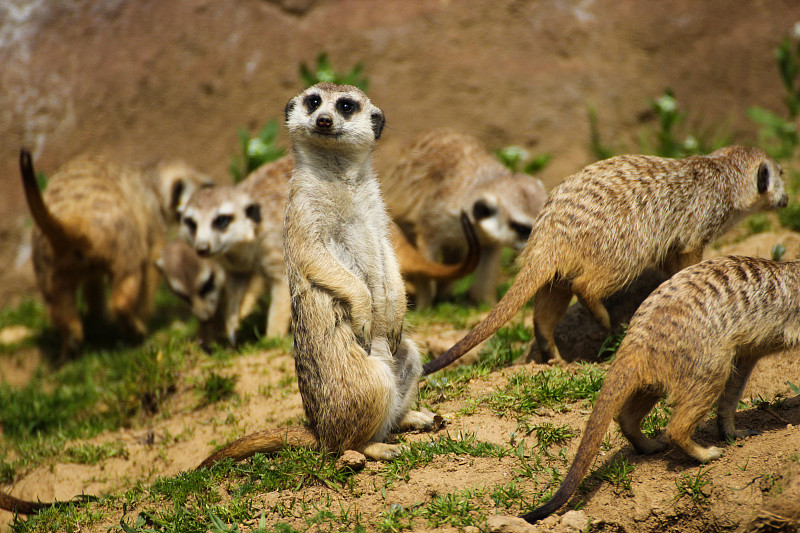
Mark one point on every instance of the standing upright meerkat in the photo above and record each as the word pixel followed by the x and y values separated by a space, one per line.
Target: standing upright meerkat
pixel 601 227
pixel 240 228
pixel 95 220
pixel 696 338
pixel 356 369
pixel 443 173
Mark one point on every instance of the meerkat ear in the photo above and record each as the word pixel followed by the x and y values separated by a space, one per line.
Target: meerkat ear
pixel 288 109
pixel 253 212
pixel 763 178
pixel 378 121
pixel 175 197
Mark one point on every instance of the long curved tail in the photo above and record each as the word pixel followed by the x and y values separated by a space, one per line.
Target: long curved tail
pixel 535 272
pixel 616 389
pixel 265 441
pixel 42 216
pixel 414 264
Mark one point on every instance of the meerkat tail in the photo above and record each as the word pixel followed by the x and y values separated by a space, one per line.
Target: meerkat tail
pixel 616 389
pixel 413 263
pixel 46 222
pixel 534 273
pixel 266 441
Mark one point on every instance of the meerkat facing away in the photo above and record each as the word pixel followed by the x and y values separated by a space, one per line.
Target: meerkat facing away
pixel 239 227
pixel 601 227
pixel 696 338
pixel 440 175
pixel 95 220
pixel 356 370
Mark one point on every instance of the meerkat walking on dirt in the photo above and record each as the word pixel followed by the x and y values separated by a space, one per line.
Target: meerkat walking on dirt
pixel 603 226
pixel 95 220
pixel 697 339
pixel 356 370
pixel 444 173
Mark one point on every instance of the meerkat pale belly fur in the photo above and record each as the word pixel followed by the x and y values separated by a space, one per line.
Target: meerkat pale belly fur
pixel 357 372
pixel 697 339
pixel 601 227
pixel 443 173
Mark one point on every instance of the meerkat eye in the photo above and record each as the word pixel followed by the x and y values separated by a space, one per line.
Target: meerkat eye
pixel 312 102
pixel 523 231
pixel 190 224
pixel 207 287
pixel 763 178
pixel 346 106
pixel 481 210
pixel 221 222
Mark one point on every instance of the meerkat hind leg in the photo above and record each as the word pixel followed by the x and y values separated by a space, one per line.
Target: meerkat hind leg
pixel 591 301
pixel 416 420
pixel 686 415
pixel 381 451
pixel 549 306
pixel 630 421
pixel 726 405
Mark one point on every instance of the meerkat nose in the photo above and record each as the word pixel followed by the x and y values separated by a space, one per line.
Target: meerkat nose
pixel 784 201
pixel 203 250
pixel 324 121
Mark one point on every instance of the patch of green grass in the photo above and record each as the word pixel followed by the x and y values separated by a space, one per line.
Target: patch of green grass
pixel 618 472
pixel 655 421
pixel 608 349
pixel 757 223
pixel 90 454
pixel 256 151
pixel 460 509
pixel 216 387
pixel 418 454
pixel 547 434
pixel 694 487
pixel 527 392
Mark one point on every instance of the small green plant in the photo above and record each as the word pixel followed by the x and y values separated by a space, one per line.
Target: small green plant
pixel 694 487
pixel 608 349
pixel 794 388
pixel 91 454
pixel 513 157
pixel 255 151
pixel 216 387
pixel 324 72
pixel 547 434
pixel 618 472
pixel 653 424
pixel 777 252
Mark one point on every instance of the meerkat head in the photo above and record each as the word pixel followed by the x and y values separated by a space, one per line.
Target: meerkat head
pixel 217 219
pixel 334 116
pixel 177 181
pixel 504 210
pixel 763 177
pixel 197 281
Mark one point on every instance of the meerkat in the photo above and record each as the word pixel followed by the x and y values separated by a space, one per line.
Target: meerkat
pixel 440 175
pixel 357 371
pixel 601 227
pixel 696 338
pixel 95 220
pixel 239 227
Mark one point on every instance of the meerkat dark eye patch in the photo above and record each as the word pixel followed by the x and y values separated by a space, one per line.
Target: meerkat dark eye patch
pixel 207 287
pixel 312 102
pixel 253 212
pixel 523 231
pixel 378 121
pixel 763 178
pixel 481 210
pixel 347 107
pixel 221 222
pixel 190 224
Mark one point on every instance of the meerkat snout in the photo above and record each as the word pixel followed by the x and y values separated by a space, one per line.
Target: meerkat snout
pixel 324 121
